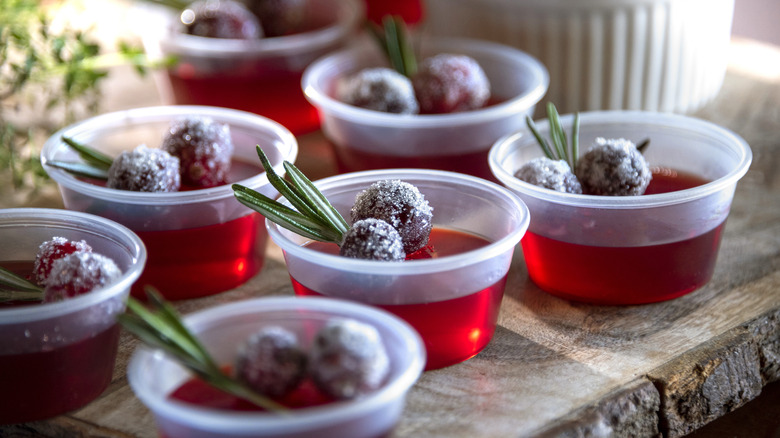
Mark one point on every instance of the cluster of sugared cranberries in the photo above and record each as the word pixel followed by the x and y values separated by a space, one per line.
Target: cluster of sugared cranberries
pixel 145 170
pixel 204 149
pixel 444 83
pixel 611 167
pixel 401 206
pixel 247 21
pixel 67 268
pixel 346 360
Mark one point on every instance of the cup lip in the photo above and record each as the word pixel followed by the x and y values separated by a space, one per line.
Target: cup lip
pixel 301 419
pixel 451 262
pixel 517 104
pixel 349 17
pixel 24 217
pixel 508 143
pixel 287 146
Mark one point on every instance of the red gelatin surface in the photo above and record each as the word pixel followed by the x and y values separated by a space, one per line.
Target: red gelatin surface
pixel 45 384
pixel 625 275
pixel 202 261
pixel 452 330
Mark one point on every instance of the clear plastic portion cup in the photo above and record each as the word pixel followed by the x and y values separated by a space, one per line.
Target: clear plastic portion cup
pixel 363 139
pixel 262 76
pixel 199 242
pixel 453 301
pixel 630 249
pixel 153 376
pixel 57 357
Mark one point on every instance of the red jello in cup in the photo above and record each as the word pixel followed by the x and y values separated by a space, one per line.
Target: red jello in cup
pixel 622 250
pixel 262 76
pixel 452 299
pixel 57 357
pixel 364 139
pixel 200 241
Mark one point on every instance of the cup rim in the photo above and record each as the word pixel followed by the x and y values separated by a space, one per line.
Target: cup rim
pixel 301 419
pixel 510 142
pixel 324 102
pixel 346 22
pixel 44 216
pixel 451 262
pixel 287 146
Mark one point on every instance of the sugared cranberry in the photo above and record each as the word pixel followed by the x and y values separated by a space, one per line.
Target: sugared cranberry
pixel 373 239
pixel 379 89
pixel 348 359
pixel 204 148
pixel 613 167
pixel 221 19
pixel 51 250
pixel 271 361
pixel 550 174
pixel 279 17
pixel 145 170
pixel 448 83
pixel 79 273
pixel 401 205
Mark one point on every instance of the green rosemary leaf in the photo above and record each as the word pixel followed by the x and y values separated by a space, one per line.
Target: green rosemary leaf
pixel 643 145
pixel 80 169
pixel 14 287
pixel 575 141
pixel 316 199
pixel 539 139
pixel 556 133
pixel 292 195
pixel 7 295
pixel 90 155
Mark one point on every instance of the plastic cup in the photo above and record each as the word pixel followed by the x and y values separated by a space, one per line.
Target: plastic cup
pixel 154 376
pixel 452 301
pixel 261 76
pixel 364 139
pixel 620 250
pixel 200 242
pixel 57 357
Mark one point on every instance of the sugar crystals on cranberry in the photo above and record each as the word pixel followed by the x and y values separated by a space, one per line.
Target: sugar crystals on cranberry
pixel 204 148
pixel 221 19
pixel 373 239
pixel 144 170
pixel 550 174
pixel 348 359
pixel 401 205
pixel 448 83
pixel 613 167
pixel 378 89
pixel 52 250
pixel 271 361
pixel 79 273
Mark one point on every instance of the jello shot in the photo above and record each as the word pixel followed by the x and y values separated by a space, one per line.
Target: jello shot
pixel 57 352
pixel 368 139
pixel 200 241
pixel 382 343
pixel 261 74
pixel 631 249
pixel 450 289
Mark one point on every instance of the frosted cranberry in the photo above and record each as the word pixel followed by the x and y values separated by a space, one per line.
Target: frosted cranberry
pixel 279 17
pixel 550 174
pixel 373 239
pixel 448 83
pixel 379 89
pixel 271 361
pixel 79 273
pixel 204 148
pixel 613 167
pixel 401 205
pixel 348 359
pixel 51 250
pixel 144 170
pixel 221 19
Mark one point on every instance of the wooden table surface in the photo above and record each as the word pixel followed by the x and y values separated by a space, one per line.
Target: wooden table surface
pixel 557 367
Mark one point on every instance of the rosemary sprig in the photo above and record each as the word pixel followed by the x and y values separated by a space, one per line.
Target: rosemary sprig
pixel 14 287
pixel 312 216
pixel 394 41
pixel 560 149
pixel 161 327
pixel 95 165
